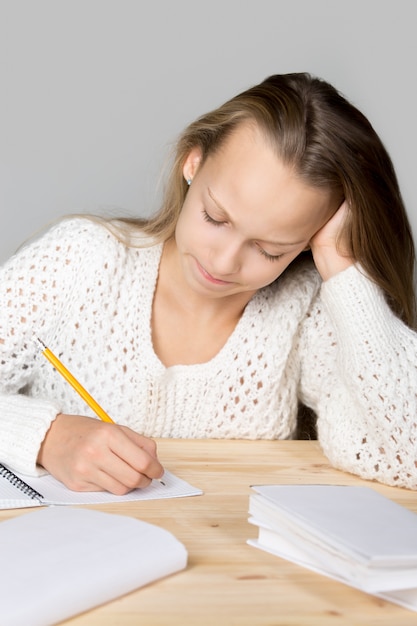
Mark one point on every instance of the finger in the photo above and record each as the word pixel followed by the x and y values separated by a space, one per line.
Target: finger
pixel 140 440
pixel 109 481
pixel 129 447
pixel 106 482
pixel 108 472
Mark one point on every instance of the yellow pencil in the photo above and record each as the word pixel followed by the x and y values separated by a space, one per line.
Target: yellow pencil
pixel 60 367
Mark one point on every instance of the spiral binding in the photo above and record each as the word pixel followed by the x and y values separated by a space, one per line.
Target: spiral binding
pixel 19 483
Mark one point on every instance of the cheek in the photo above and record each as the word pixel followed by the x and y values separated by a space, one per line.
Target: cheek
pixel 191 227
pixel 179 228
pixel 262 272
pixel 183 225
pixel 265 272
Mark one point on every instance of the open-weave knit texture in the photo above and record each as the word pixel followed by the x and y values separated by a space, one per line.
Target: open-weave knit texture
pixel 335 347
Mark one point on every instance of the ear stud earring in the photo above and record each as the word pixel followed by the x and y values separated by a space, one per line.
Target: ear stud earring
pixel 189 181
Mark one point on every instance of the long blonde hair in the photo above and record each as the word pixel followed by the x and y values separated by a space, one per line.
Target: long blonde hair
pixel 331 144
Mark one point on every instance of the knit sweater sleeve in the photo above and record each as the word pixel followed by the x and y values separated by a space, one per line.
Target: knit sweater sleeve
pixel 36 287
pixel 359 374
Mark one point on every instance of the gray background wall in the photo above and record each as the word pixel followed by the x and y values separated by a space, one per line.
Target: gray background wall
pixel 93 92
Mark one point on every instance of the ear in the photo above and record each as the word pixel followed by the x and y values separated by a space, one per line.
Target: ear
pixel 192 163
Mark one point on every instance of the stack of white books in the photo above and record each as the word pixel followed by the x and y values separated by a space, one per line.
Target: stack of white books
pixel 350 533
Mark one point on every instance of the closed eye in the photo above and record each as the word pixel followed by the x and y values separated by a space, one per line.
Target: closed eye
pixel 210 219
pixel 270 257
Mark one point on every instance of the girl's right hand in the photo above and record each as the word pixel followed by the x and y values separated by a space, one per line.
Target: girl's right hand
pixel 87 454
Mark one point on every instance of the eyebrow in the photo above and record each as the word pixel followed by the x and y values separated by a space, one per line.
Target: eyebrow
pixel 274 243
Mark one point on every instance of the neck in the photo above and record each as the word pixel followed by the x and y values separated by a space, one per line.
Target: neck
pixel 188 327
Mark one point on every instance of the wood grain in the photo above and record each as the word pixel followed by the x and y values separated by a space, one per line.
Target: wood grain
pixel 228 582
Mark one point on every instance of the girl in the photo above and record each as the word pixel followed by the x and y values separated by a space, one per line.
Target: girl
pixel 278 273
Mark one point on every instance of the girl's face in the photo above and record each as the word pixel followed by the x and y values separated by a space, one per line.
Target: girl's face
pixel 246 216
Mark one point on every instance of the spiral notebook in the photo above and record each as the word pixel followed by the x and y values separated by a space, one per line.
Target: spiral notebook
pixel 18 491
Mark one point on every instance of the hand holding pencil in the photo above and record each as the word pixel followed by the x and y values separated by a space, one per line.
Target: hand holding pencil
pixel 92 455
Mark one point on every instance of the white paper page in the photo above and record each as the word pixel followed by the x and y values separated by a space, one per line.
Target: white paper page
pixel 406 598
pixel 60 561
pixel 289 545
pixel 357 520
pixel 19 503
pixel 13 498
pixel 55 492
pixel 287 542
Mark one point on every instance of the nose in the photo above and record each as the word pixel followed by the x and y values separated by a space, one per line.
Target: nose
pixel 226 256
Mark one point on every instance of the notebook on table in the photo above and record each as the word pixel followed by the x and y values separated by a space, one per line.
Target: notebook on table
pixel 19 491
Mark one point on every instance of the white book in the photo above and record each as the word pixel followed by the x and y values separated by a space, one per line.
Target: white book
pixel 57 562
pixel 350 533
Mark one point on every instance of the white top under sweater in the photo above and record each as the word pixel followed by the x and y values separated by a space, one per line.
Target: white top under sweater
pixel 335 347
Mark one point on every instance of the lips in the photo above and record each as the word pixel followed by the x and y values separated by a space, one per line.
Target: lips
pixel 210 278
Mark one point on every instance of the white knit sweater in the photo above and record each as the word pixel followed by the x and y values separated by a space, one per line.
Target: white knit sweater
pixel 335 347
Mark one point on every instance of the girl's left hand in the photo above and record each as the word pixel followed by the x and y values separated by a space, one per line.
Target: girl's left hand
pixel 331 252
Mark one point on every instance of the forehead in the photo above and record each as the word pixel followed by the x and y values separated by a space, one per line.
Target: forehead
pixel 261 193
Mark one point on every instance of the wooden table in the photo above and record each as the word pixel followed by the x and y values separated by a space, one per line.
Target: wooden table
pixel 227 582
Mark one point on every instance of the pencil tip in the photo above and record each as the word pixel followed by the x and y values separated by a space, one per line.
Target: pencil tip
pixel 40 342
